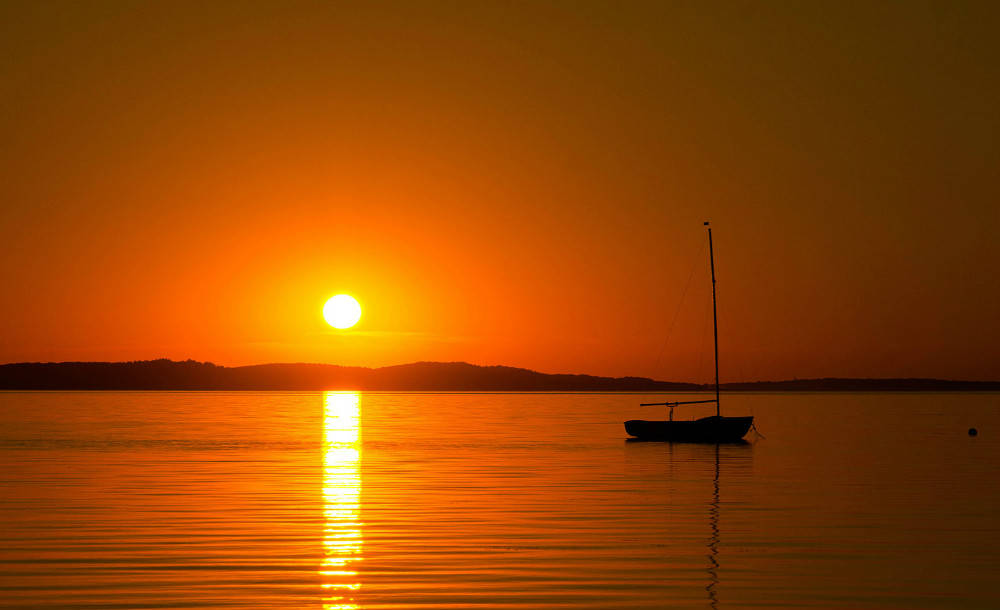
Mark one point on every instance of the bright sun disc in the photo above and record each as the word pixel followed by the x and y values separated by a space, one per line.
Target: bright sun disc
pixel 342 311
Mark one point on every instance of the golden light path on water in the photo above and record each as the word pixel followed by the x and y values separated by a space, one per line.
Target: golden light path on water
pixel 341 499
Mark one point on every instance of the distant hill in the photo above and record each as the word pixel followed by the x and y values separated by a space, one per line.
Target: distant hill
pixel 419 376
pixel 835 384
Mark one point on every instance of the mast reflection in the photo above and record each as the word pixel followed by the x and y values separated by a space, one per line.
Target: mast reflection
pixel 341 499
pixel 713 542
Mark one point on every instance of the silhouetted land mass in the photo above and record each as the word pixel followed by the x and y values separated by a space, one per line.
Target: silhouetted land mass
pixel 420 376
pixel 836 384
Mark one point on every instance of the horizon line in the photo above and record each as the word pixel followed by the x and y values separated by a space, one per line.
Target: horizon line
pixel 506 366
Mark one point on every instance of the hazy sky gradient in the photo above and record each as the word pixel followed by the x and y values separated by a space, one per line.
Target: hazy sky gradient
pixel 505 183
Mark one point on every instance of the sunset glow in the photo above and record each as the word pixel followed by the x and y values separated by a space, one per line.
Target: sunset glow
pixel 342 311
pixel 495 191
pixel 412 305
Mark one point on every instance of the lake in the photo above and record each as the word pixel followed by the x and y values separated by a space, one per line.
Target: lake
pixel 346 500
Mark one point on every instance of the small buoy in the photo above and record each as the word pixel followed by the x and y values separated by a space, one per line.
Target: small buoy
pixel 973 432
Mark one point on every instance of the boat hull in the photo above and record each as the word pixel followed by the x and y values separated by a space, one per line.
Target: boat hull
pixel 714 429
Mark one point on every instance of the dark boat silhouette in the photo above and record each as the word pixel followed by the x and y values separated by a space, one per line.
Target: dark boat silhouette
pixel 713 429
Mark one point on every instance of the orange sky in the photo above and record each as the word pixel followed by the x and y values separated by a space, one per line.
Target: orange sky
pixel 504 183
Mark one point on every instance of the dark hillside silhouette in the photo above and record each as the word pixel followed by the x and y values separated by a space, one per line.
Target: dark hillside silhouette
pixel 835 384
pixel 191 375
pixel 419 376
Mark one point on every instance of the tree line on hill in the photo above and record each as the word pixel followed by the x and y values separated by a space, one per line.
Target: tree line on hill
pixel 420 376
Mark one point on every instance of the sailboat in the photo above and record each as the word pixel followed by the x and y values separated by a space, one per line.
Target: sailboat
pixel 712 429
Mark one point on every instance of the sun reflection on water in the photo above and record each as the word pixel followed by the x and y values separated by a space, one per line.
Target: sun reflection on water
pixel 341 499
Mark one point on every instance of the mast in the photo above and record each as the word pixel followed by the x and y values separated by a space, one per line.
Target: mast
pixel 715 319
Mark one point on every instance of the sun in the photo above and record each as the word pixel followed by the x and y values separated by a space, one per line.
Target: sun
pixel 342 311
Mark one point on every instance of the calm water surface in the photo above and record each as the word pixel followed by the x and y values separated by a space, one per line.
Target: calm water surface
pixel 345 500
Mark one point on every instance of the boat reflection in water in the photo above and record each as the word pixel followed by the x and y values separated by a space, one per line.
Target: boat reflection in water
pixel 688 481
pixel 737 459
pixel 713 542
pixel 341 499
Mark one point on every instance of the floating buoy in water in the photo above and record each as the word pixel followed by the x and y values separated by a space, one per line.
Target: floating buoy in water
pixel 973 432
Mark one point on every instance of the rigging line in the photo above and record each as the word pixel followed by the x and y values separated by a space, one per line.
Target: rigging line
pixel 703 335
pixel 707 340
pixel 670 330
